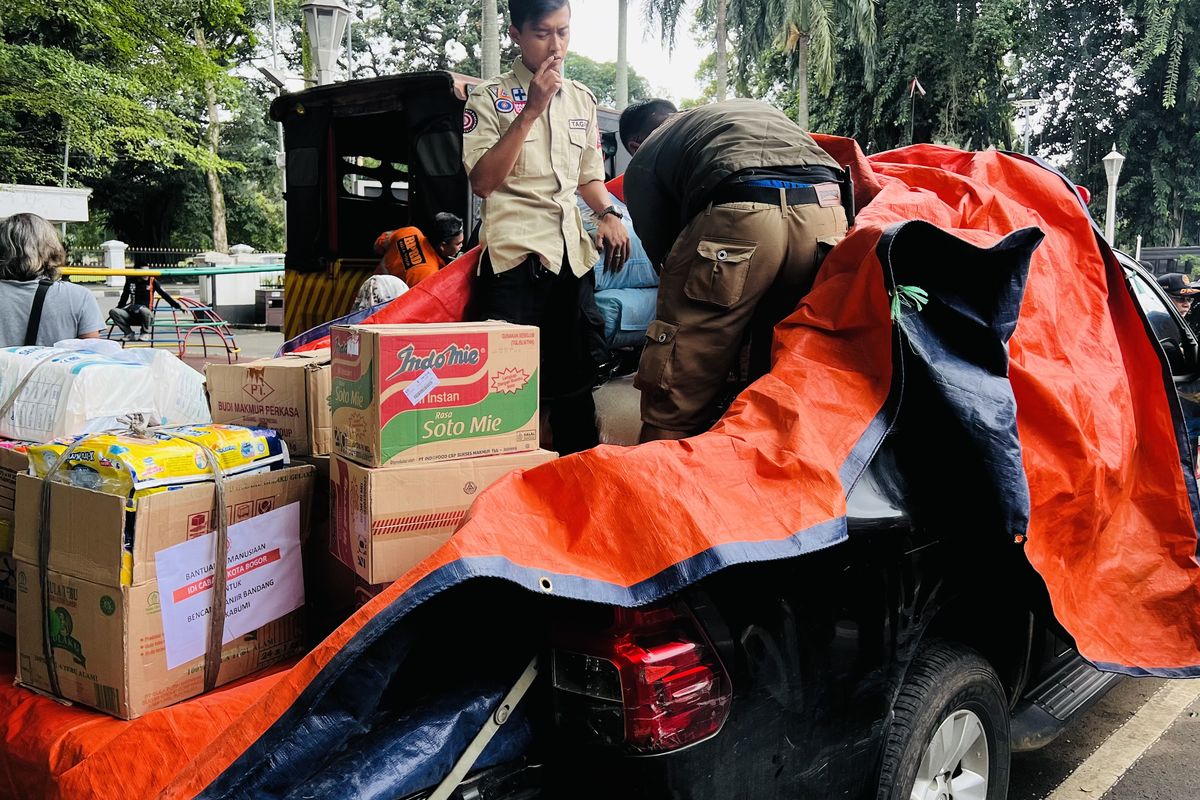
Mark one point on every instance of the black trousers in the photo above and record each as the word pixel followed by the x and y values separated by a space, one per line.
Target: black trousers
pixel 530 294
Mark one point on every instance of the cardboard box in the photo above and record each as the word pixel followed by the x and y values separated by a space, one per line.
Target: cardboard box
pixel 288 394
pixel 406 394
pixel 130 649
pixel 8 596
pixel 12 463
pixel 385 521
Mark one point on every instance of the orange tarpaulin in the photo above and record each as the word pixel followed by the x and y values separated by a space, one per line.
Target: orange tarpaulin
pixel 1101 487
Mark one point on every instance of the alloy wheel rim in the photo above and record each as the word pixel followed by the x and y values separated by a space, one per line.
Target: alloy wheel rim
pixel 955 764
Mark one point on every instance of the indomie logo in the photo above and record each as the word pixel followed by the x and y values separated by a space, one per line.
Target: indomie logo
pixel 451 356
pixel 61 626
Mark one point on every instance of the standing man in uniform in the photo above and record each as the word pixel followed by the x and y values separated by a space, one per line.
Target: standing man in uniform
pixel 735 205
pixel 531 140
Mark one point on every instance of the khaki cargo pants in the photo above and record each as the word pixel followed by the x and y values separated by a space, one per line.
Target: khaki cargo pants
pixel 733 265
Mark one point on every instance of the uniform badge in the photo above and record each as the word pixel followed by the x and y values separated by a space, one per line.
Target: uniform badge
pixel 518 95
pixel 495 90
pixel 578 124
pixel 519 107
pixel 504 103
pixel 470 120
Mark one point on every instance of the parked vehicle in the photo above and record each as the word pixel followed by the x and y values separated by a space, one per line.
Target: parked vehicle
pixel 898 664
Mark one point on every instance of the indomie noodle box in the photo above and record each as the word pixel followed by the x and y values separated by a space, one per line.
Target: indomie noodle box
pixel 417 393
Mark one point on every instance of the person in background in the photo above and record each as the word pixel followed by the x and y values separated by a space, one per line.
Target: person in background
pixel 403 250
pixel 378 289
pixel 530 142
pixel 1183 294
pixel 735 205
pixel 447 239
pixel 35 307
pixel 134 307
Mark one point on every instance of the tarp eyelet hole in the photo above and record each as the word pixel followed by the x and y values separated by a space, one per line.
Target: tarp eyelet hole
pixel 546 585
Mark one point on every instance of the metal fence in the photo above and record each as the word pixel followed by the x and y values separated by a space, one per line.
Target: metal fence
pixel 1170 259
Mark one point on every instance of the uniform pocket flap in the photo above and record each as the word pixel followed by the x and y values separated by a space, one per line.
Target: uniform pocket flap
pixel 578 137
pixel 728 251
pixel 661 332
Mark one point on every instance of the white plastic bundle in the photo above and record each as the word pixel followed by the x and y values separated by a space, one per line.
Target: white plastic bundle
pixel 61 391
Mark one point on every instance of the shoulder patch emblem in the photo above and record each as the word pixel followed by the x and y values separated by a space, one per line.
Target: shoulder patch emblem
pixel 470 120
pixel 579 124
pixel 504 105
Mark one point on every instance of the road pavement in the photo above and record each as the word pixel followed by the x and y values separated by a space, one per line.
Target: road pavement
pixel 1140 742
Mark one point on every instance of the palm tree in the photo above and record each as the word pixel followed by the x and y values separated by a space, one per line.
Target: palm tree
pixel 622 54
pixel 667 13
pixel 808 32
pixel 489 35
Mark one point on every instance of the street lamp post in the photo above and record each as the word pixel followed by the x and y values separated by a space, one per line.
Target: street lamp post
pixel 1112 168
pixel 326 21
pixel 1027 106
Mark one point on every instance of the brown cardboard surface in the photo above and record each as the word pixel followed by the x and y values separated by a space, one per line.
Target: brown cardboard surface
pixel 288 394
pixel 11 464
pixel 8 595
pixel 405 394
pixel 387 520
pixel 108 638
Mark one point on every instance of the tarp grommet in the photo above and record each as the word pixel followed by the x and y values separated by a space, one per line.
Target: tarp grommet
pixel 546 585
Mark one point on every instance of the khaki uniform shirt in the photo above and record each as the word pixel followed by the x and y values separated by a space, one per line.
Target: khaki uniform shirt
pixel 680 165
pixel 534 210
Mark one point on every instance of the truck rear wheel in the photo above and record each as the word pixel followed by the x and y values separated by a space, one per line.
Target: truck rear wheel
pixel 949 737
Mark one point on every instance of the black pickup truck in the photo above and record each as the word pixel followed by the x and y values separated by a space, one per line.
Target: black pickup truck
pixel 898 664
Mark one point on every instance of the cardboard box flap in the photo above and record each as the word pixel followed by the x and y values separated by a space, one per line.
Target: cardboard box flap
pixel 320 419
pixel 86 529
pixel 174 517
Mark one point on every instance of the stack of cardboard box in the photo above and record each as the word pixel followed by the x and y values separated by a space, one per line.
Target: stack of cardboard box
pixel 419 420
pixel 425 417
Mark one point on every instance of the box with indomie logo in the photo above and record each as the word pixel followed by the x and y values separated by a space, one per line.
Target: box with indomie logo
pixel 406 394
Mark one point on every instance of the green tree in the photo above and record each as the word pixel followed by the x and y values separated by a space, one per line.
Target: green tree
pixel 667 14
pixel 1160 132
pixel 601 78
pixel 86 72
pixel 959 60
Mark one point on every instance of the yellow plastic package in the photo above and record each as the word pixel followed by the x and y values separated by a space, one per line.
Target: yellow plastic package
pixel 128 465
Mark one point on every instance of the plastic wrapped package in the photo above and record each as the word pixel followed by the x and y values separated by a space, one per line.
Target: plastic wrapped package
pixel 129 465
pixel 68 392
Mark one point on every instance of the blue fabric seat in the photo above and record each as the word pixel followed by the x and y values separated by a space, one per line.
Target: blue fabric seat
pixel 627 299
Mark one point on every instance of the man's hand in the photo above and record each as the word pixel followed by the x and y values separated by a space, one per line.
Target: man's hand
pixel 546 83
pixel 613 240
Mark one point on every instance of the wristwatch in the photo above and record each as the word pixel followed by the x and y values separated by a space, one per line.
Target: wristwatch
pixel 616 212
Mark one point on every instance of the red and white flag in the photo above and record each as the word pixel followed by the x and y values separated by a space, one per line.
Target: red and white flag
pixel 916 86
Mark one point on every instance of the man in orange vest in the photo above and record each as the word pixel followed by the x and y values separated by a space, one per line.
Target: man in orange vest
pixel 411 256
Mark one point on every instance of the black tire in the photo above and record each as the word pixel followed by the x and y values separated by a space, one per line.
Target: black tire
pixel 943 679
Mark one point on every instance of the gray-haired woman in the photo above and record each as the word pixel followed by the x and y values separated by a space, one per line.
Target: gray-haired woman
pixel 35 307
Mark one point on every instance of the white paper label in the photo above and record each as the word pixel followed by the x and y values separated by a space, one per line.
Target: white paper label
pixel 425 383
pixel 265 581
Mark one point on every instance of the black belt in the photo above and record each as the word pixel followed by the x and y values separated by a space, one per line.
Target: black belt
pixel 799 196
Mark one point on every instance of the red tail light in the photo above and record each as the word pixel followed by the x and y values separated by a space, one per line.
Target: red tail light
pixel 652 682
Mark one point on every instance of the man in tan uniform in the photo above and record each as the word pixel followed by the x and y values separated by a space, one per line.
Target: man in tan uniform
pixel 735 205
pixel 530 141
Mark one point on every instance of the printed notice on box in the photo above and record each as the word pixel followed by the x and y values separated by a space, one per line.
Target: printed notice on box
pixel 265 581
pixel 425 383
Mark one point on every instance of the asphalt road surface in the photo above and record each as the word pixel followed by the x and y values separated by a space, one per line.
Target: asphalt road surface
pixel 1141 742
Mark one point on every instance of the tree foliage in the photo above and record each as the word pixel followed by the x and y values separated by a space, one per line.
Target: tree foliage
pixel 601 78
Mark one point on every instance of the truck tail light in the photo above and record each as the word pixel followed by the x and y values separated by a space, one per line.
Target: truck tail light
pixel 651 683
